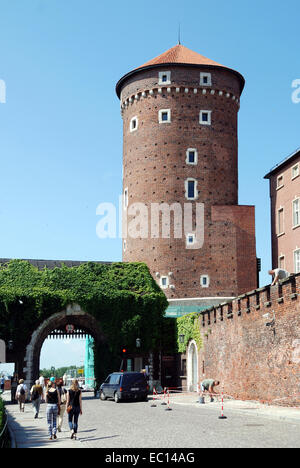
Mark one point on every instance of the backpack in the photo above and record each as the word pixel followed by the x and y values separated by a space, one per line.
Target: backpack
pixel 22 391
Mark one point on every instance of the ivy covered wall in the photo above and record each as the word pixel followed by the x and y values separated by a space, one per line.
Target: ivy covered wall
pixel 123 297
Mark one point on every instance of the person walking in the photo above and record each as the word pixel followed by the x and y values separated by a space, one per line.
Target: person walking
pixel 42 384
pixel 36 393
pixel 63 404
pixel 13 388
pixel 2 384
pixel 53 408
pixel 21 394
pixel 74 407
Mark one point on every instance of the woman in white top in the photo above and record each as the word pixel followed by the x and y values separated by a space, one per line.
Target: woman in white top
pixel 21 395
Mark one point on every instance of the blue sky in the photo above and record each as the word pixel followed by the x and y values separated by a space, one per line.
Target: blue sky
pixel 61 129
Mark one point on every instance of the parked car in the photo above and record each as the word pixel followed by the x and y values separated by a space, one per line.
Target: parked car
pixel 125 386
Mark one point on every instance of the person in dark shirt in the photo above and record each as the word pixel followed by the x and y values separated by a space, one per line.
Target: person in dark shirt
pixel 53 406
pixel 74 407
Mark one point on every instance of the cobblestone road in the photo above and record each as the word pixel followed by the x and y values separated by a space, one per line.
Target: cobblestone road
pixel 189 425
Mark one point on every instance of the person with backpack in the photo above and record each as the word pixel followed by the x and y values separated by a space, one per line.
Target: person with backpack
pixel 21 395
pixel 36 393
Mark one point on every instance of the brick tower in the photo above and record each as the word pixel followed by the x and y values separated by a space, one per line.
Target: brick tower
pixel 181 147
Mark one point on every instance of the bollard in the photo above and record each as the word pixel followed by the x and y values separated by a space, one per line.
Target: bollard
pixel 164 401
pixel 153 404
pixel 168 408
pixel 222 414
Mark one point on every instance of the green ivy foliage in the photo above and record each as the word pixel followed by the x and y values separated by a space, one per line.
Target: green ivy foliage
pixel 188 325
pixel 123 297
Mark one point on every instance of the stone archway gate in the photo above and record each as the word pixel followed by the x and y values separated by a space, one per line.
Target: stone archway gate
pixel 73 315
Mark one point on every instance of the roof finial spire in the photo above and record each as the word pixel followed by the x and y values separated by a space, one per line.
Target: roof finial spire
pixel 179 35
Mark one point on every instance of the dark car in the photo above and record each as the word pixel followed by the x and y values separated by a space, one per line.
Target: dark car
pixel 125 386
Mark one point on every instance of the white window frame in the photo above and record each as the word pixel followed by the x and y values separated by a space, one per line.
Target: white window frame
pixel 187 157
pixel 297 260
pixel 278 185
pixel 134 119
pixel 297 167
pixel 281 259
pixel 160 114
pixel 161 75
pixel 296 212
pixel 205 122
pixel 126 199
pixel 187 189
pixel 280 228
pixel 164 286
pixel 202 278
pixel 193 235
pixel 124 246
pixel 203 76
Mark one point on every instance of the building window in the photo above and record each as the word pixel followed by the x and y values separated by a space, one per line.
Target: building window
pixel 281 262
pixel 124 245
pixel 126 198
pixel 133 124
pixel 191 189
pixel 192 156
pixel 204 281
pixel 295 171
pixel 190 239
pixel 164 78
pixel 164 116
pixel 297 260
pixel 280 222
pixel 205 79
pixel 164 282
pixel 279 182
pixel 205 117
pixel 296 212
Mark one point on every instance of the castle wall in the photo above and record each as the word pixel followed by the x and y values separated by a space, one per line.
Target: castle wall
pixel 252 344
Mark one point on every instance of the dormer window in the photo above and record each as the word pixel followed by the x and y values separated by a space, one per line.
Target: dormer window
pixel 164 78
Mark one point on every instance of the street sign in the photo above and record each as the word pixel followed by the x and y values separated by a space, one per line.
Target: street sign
pixel 2 351
pixel 80 371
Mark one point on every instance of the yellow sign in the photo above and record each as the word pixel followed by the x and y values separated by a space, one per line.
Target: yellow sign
pixel 80 371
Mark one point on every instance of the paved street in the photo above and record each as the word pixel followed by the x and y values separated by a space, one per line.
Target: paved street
pixel 189 425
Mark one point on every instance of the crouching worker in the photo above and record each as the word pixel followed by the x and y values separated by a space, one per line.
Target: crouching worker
pixel 208 386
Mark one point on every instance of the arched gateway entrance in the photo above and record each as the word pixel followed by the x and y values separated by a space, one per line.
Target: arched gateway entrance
pixel 73 315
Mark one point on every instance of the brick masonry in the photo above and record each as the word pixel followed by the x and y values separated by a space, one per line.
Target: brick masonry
pixel 252 344
pixel 155 171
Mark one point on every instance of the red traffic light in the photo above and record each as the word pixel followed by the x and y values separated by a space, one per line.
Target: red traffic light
pixel 124 350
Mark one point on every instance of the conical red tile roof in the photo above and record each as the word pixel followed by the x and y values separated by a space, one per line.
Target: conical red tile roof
pixel 178 54
pixel 181 54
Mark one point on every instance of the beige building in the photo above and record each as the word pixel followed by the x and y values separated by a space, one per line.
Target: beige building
pixel 285 213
